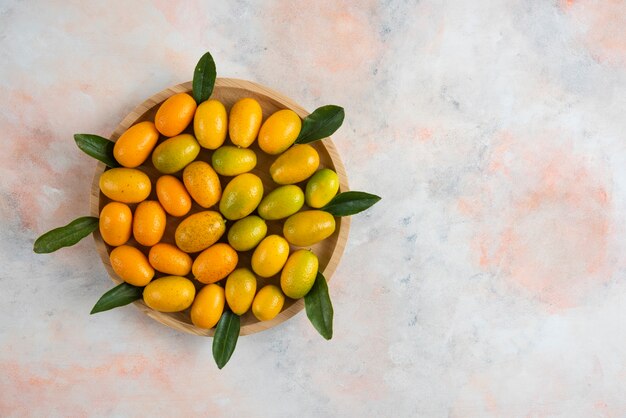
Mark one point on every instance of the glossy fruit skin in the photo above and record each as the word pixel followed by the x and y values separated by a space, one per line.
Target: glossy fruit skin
pixel 116 223
pixel 308 227
pixel 173 195
pixel 240 289
pixel 299 274
pixel 296 164
pixel 241 196
pixel 175 114
pixel 168 259
pixel 321 188
pixel 215 263
pixel 126 185
pixel 169 294
pixel 208 306
pixel 244 122
pixel 131 265
pixel 270 256
pixel 232 161
pixel 279 131
pixel 149 223
pixel 175 153
pixel 246 233
pixel 210 124
pixel 281 202
pixel 199 231
pixel 134 146
pixel 268 303
pixel 202 183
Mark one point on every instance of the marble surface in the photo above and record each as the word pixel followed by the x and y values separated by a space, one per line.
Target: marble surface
pixel 488 282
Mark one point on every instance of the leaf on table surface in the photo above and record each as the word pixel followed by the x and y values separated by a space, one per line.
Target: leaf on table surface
pixel 350 203
pixel 65 236
pixel 97 147
pixel 319 308
pixel 204 78
pixel 225 338
pixel 120 295
pixel 322 123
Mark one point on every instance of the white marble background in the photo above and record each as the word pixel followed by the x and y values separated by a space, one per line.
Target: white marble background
pixel 489 282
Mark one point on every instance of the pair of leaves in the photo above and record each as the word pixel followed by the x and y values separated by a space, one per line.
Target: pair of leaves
pixel 226 333
pixel 102 149
pixel 319 310
pixel 322 123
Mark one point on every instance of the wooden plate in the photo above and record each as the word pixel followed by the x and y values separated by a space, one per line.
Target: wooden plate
pixel 228 91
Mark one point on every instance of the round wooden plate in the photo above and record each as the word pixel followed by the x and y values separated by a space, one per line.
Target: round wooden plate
pixel 228 91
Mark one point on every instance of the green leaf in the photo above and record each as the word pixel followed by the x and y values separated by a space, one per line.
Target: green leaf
pixel 204 78
pixel 319 309
pixel 225 338
pixel 322 123
pixel 65 236
pixel 120 295
pixel 97 147
pixel 350 203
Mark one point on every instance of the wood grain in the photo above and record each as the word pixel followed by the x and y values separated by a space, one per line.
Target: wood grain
pixel 228 91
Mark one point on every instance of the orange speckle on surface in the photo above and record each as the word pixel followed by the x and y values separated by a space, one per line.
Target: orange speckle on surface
pixel 602 26
pixel 480 246
pixel 465 206
pixel 372 147
pixel 435 42
pixel 30 153
pixel 342 24
pixel 23 98
pixel 469 206
pixel 358 386
pixel 605 411
pixel 498 160
pixel 424 134
pixel 489 400
pixel 32 389
pixel 545 224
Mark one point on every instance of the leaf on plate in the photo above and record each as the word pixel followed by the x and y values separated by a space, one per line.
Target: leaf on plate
pixel 97 147
pixel 319 308
pixel 204 78
pixel 322 123
pixel 225 338
pixel 350 203
pixel 120 295
pixel 65 236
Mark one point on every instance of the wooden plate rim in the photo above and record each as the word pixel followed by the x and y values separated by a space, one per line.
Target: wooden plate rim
pixel 136 113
